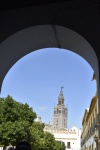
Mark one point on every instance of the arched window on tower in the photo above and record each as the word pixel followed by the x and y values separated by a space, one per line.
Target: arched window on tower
pixel 59 111
pixel 54 111
pixel 62 101
pixel 59 102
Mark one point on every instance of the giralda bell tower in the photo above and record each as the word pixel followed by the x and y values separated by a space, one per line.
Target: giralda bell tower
pixel 60 115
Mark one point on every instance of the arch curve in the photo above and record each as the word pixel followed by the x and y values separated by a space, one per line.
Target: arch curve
pixel 44 36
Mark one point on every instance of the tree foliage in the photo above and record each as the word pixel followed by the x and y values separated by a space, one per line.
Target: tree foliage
pixel 41 140
pixel 15 121
pixel 17 124
pixel 59 145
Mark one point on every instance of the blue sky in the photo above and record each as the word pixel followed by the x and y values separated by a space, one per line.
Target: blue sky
pixel 37 78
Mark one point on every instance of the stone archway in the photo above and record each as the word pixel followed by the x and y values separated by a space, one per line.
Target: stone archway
pixel 45 36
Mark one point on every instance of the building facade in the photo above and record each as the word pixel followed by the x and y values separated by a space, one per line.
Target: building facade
pixel 60 114
pixel 90 127
pixel 90 134
pixel 71 137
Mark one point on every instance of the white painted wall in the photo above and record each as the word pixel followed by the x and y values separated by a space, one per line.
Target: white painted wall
pixel 69 136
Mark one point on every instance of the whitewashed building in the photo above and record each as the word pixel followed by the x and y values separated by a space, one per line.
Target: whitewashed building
pixel 71 137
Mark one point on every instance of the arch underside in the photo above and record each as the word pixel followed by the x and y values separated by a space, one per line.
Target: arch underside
pixel 28 28
pixel 45 36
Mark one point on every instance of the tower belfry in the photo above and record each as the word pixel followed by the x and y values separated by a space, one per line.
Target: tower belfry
pixel 60 115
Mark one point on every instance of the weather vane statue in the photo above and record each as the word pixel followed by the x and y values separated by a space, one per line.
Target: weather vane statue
pixel 62 88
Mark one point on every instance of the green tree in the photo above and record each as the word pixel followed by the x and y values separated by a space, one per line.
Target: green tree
pixel 49 141
pixel 37 132
pixel 42 140
pixel 59 145
pixel 15 121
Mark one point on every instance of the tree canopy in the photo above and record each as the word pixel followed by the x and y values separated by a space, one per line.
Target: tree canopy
pixel 17 124
pixel 15 121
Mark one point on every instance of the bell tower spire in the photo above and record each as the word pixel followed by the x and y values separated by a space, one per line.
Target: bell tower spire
pixel 61 97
